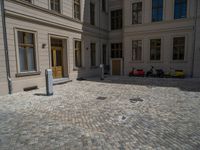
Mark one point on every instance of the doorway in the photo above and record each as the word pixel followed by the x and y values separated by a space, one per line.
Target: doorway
pixel 116 67
pixel 57 58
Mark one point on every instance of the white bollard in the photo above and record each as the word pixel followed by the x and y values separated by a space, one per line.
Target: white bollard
pixel 49 82
pixel 102 71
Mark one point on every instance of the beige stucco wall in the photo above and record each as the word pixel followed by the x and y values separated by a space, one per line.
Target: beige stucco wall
pixel 3 78
pixel 197 48
pixel 45 24
pixel 166 30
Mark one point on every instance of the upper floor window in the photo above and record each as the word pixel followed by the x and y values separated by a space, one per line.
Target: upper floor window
pixel 180 9
pixel 104 5
pixel 155 49
pixel 137 50
pixel 92 14
pixel 78 54
pixel 157 10
pixel 178 48
pixel 77 9
pixel 26 51
pixel 116 50
pixel 55 5
pixel 116 19
pixel 137 13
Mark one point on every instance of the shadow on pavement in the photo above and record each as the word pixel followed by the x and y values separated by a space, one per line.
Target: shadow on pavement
pixel 187 84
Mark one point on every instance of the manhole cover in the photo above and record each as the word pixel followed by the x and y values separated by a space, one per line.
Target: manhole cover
pixel 134 100
pixel 101 98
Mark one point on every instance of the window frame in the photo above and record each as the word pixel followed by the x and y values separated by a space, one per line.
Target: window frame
pixel 120 23
pixel 61 7
pixel 120 45
pixel 161 48
pixel 81 61
pixel 80 6
pixel 92 16
pixel 19 72
pixel 132 57
pixel 186 48
pixel 91 65
pixel 104 6
pixel 187 10
pixel 163 12
pixel 136 2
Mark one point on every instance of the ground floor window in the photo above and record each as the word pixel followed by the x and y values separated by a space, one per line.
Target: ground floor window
pixel 104 54
pixel 27 51
pixel 155 49
pixel 178 48
pixel 93 54
pixel 116 50
pixel 78 54
pixel 137 50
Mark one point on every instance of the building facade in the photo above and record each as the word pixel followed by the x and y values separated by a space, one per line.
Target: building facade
pixel 73 37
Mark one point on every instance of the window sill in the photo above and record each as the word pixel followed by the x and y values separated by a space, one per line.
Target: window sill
pixel 137 61
pixel 155 61
pixel 178 61
pixel 78 68
pixel 24 74
pixel 94 67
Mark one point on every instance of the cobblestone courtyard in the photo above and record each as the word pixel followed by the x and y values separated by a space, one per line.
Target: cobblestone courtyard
pixel 104 115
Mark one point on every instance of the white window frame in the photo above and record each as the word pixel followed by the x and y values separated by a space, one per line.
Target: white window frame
pixel 161 50
pixel 36 49
pixel 142 57
pixel 75 67
pixel 164 12
pixel 187 13
pixel 73 11
pixel 61 7
pixel 172 47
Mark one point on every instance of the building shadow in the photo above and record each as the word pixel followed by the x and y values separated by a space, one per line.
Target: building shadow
pixel 187 84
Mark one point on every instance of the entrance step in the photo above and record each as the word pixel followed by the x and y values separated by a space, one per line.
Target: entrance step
pixel 61 81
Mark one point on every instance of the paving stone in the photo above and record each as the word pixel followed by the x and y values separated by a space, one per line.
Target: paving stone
pixel 166 116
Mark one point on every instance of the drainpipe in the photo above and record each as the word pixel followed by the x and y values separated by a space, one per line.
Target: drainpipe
pixel 194 41
pixel 6 47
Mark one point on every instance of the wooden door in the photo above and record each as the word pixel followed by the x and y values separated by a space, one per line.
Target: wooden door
pixel 116 67
pixel 57 63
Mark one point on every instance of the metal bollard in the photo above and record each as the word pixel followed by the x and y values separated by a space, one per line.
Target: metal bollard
pixel 49 82
pixel 102 71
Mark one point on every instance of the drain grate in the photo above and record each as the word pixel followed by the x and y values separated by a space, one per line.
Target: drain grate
pixel 101 98
pixel 134 100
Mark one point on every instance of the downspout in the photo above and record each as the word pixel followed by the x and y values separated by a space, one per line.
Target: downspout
pixel 6 47
pixel 194 43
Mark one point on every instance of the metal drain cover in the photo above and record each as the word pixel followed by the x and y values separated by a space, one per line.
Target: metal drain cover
pixel 101 98
pixel 134 100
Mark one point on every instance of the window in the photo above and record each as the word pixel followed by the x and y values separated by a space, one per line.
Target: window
pixel 104 54
pixel 92 14
pixel 93 54
pixel 157 10
pixel 78 54
pixel 180 9
pixel 137 50
pixel 178 48
pixel 116 19
pixel 55 5
pixel 26 50
pixel 155 49
pixel 77 9
pixel 104 5
pixel 116 50
pixel 137 13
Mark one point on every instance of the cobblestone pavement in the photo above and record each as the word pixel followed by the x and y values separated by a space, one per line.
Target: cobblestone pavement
pixel 166 116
